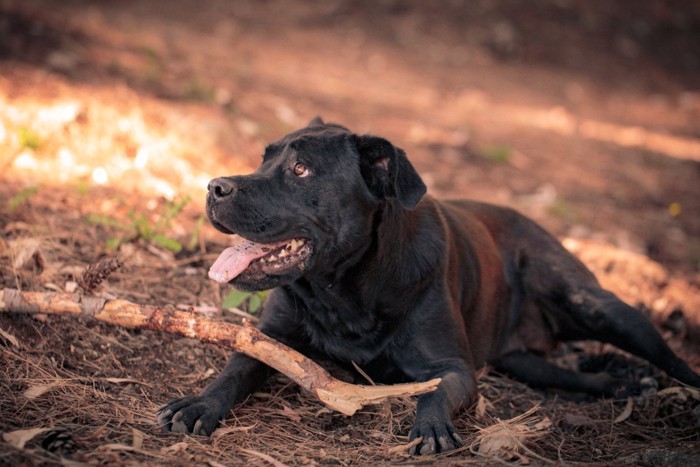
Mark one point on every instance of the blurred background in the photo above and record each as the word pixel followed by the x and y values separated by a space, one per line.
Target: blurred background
pixel 115 114
pixel 583 114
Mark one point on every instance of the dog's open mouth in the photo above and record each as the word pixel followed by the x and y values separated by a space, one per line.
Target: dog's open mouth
pixel 257 259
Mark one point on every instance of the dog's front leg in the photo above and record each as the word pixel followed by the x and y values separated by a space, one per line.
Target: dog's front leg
pixel 242 375
pixel 435 411
pixel 201 414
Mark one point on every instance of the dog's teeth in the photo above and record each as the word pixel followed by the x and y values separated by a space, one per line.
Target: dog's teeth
pixel 272 258
pixel 283 253
pixel 292 246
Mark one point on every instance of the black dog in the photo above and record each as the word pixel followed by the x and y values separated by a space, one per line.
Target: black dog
pixel 367 269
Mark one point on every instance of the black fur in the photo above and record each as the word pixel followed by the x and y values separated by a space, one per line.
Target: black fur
pixel 408 287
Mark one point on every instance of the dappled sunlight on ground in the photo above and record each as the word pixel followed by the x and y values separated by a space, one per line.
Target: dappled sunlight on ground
pixel 91 136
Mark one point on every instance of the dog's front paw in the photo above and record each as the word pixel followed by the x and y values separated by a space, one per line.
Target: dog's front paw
pixel 196 415
pixel 437 436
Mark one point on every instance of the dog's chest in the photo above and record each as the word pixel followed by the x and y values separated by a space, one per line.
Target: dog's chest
pixel 346 332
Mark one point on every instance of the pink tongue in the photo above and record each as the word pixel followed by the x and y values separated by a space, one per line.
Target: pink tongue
pixel 235 259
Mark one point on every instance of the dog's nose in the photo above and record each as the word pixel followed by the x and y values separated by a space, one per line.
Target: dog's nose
pixel 221 187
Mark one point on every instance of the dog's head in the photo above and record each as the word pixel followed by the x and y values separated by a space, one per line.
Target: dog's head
pixel 310 207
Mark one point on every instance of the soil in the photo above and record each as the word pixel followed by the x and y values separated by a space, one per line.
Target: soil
pixel 584 115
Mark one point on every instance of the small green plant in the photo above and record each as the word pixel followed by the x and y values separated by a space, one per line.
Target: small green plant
pixel 28 138
pixel 498 154
pixel 196 233
pixel 562 209
pixel 153 68
pixel 141 226
pixel 21 197
pixel 82 188
pixel 250 301
pixel 114 67
pixel 197 90
pixel 151 53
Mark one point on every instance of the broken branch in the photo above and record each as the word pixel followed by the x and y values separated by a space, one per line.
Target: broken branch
pixel 337 395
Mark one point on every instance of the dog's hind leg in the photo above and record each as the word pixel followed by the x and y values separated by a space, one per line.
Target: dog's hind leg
pixel 598 314
pixel 573 305
pixel 539 373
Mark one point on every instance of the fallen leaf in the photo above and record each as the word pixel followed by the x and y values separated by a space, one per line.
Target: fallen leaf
pixel 482 405
pixel 290 414
pixel 9 338
pixel 682 392
pixel 36 391
pixel 21 437
pixel 626 412
pixel 506 438
pixel 543 424
pixel 17 226
pixel 675 390
pixel 577 420
pixel 175 448
pixel 22 250
pixel 138 436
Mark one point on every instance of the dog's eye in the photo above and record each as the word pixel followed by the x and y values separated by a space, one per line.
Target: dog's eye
pixel 300 170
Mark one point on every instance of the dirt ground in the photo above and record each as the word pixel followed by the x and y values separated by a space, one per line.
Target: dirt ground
pixel 584 115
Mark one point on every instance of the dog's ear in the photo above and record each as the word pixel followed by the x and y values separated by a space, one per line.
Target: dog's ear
pixel 317 121
pixel 388 172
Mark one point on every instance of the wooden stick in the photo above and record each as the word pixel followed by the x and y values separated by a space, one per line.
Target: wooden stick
pixel 335 394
